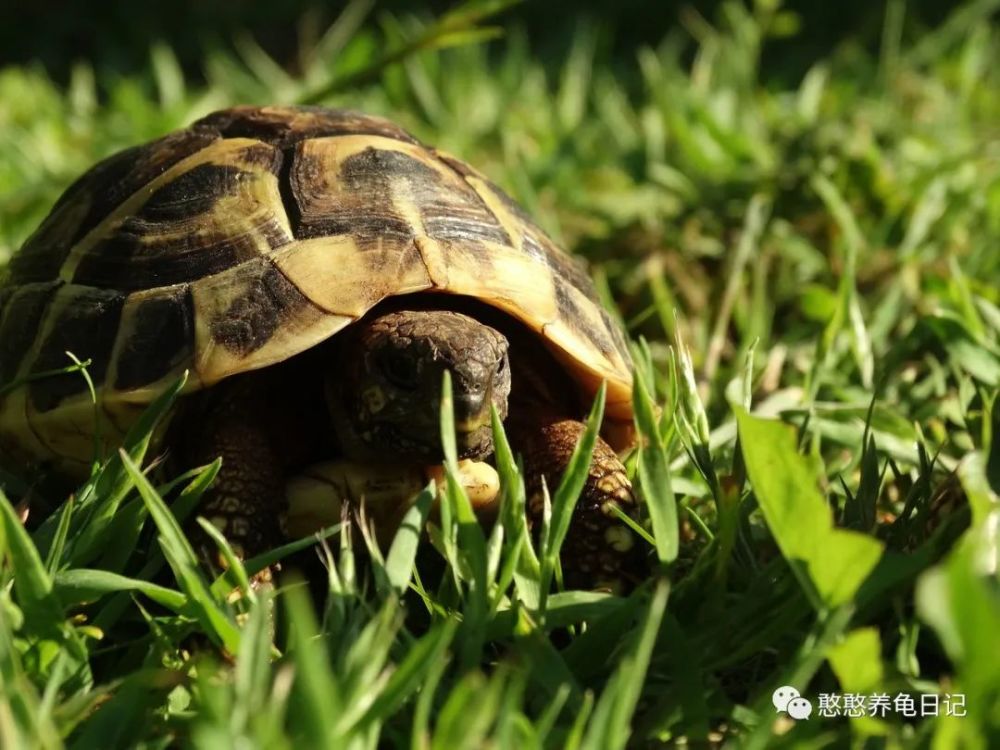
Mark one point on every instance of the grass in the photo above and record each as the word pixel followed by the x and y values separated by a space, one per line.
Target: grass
pixel 812 280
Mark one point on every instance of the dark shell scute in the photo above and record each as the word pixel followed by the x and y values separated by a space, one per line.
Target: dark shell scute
pixel 161 337
pixel 361 201
pixel 128 263
pixel 123 175
pixel 572 270
pixel 617 337
pixel 181 233
pixel 22 317
pixel 253 317
pixel 369 186
pixel 376 167
pixel 94 196
pixel 459 226
pixel 87 326
pixel 536 243
pixel 41 257
pixel 191 194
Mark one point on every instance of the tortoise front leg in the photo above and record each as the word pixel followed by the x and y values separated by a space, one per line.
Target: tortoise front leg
pixel 247 498
pixel 600 551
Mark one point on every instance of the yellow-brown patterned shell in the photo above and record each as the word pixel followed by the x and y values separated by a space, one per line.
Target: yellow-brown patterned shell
pixel 250 237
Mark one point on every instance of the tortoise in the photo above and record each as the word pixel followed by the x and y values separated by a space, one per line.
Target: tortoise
pixel 315 271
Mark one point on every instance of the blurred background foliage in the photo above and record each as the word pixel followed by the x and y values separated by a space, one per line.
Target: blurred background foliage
pixel 59 33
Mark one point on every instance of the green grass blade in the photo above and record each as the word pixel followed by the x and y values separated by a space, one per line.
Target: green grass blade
pixel 317 699
pixel 233 564
pixel 654 474
pixel 23 724
pixel 403 551
pixel 407 678
pixel 610 726
pixel 254 696
pixel 575 477
pixel 55 551
pixel 568 492
pixel 180 556
pixel 513 517
pixel 256 564
pixel 83 585
pixel 471 550
pixel 564 609
pixel 458 27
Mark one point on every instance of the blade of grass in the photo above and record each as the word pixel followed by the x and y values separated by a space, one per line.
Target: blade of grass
pixel 513 517
pixel 180 556
pixel 610 725
pixel 654 474
pixel 84 585
pixel 44 618
pixel 319 700
pixel 403 551
pixel 568 493
pixel 455 28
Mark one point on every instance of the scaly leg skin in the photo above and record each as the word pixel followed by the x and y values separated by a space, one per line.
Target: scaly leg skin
pixel 600 551
pixel 246 499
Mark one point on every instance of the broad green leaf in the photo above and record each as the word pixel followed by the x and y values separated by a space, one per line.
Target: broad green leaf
pixel 958 599
pixel 831 563
pixel 857 661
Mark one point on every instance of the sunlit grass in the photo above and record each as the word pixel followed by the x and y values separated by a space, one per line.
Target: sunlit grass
pixel 812 279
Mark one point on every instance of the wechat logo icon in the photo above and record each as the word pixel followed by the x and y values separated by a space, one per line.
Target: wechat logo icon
pixel 786 699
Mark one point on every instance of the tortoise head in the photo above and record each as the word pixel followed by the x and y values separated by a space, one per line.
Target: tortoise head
pixel 384 390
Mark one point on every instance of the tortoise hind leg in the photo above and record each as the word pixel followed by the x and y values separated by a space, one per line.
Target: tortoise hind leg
pixel 600 551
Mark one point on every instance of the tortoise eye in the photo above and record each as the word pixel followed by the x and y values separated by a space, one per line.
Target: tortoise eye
pixel 400 370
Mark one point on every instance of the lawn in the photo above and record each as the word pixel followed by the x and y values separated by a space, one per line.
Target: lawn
pixel 809 271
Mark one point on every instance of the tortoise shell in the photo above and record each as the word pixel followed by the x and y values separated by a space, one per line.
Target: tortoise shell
pixel 249 237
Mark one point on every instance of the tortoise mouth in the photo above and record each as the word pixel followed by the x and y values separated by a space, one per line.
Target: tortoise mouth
pixel 418 443
pixel 466 426
pixel 472 410
pixel 475 440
